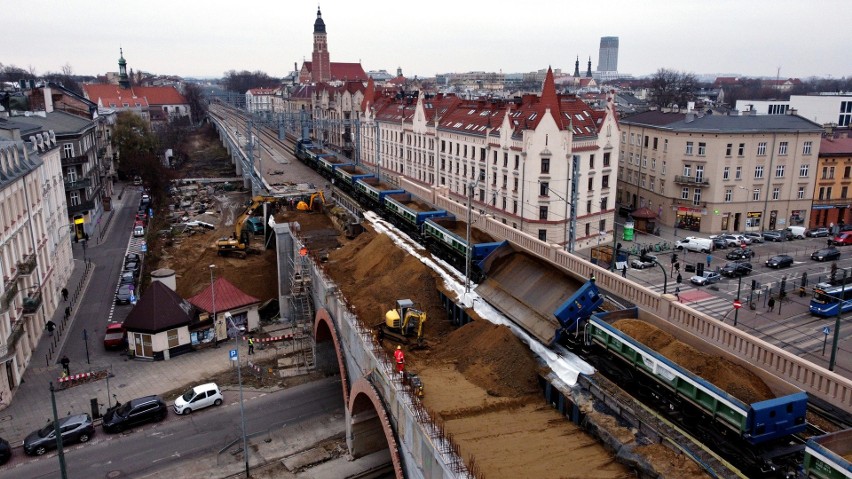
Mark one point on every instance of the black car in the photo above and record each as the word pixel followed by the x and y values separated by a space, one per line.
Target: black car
pixel 719 243
pixel 77 428
pixel 826 254
pixel 736 268
pixel 5 451
pixel 135 412
pixel 133 267
pixel 134 257
pixel 780 261
pixel 122 296
pixel 773 236
pixel 127 277
pixel 740 253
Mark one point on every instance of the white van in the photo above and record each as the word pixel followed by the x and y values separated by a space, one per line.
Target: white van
pixel 698 245
pixel 797 231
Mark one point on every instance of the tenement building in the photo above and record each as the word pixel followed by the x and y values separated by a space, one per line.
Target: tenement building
pixel 712 173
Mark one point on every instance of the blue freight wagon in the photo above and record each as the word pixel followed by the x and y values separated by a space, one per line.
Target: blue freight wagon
pixel 409 214
pixel 373 191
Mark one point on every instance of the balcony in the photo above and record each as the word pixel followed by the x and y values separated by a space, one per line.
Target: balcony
pixel 84 206
pixel 8 295
pixel 75 160
pixel 838 202
pixel 27 266
pixel 32 302
pixel 80 184
pixel 692 181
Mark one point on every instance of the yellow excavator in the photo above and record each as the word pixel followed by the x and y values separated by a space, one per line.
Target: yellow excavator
pixel 403 323
pixel 238 243
pixel 309 205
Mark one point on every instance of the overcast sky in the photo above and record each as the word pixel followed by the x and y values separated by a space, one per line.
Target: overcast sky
pixel 207 38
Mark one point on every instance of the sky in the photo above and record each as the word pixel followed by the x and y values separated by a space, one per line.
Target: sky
pixel 194 38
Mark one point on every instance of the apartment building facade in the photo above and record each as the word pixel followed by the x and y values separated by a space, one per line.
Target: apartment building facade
pixel 35 247
pixel 832 198
pixel 718 173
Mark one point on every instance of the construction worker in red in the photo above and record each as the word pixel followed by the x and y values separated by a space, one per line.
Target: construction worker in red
pixel 399 356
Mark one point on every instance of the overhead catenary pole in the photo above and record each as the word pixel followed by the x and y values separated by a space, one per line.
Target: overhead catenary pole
pixel 60 451
pixel 835 340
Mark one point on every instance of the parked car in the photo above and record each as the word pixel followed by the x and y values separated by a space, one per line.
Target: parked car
pixel 826 254
pixel 780 261
pixel 844 228
pixel 740 253
pixel 753 236
pixel 122 296
pixel 774 236
pixel 127 277
pixel 146 199
pixel 77 428
pixel 730 240
pixel 640 263
pixel 5 451
pixel 133 267
pixel 138 231
pixel 818 233
pixel 719 243
pixel 197 398
pixel 842 239
pixel 798 232
pixel 134 412
pixel 709 277
pixel 691 243
pixel 115 335
pixel 736 268
pixel 131 257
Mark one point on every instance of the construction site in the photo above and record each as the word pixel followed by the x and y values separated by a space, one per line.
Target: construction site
pixel 480 381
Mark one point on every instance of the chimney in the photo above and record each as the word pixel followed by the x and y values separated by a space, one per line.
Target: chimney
pixel 48 99
pixel 792 112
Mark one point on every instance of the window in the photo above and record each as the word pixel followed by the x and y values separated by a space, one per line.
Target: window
pixel 542 235
pixel 543 188
pixel 591 162
pixel 825 192
pixel 761 148
pixel 689 148
pixel 803 171
pixel 664 168
pixel 623 136
pixel 687 170
pixel 646 141
pixel 588 206
pixel 591 183
pixel 515 185
pixel 653 163
pixel 699 172
pixel 702 149
pixel 776 193
pixel 652 183
pixel 846 172
pixel 604 203
pixel 806 147
pixel 741 149
pixel 779 171
pixel 517 161
pixel 602 226
pixel 644 162
pixel 75 197
pixel 782 148
pixel 605 181
pixel 666 144
pixel 726 173
pixel 655 142
pixel 545 165
pixel 67 150
pixel 514 207
pixel 542 212
pixel 801 193
pixel 173 338
pixel 758 172
pixel 728 149
pixel 684 193
pixel 755 195
pixel 729 195
pixel 844 191
pixel 631 139
pixel 696 197
pixel 828 172
pixel 505 160
pixel 606 160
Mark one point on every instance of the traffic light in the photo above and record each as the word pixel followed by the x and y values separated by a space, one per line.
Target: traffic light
pixel 699 268
pixel 674 258
pixel 783 291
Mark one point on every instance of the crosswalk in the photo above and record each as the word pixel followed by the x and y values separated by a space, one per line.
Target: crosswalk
pixel 799 334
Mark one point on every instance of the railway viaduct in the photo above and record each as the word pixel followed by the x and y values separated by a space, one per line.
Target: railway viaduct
pixel 381 412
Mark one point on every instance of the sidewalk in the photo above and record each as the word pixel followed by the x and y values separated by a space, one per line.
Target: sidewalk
pixel 30 407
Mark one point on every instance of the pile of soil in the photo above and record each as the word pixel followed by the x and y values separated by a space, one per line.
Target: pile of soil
pixel 669 463
pixel 724 374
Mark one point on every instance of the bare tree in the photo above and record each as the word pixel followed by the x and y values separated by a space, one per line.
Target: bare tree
pixel 242 81
pixel 672 88
pixel 197 104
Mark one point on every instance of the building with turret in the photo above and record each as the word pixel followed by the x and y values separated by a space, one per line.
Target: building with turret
pixel 321 68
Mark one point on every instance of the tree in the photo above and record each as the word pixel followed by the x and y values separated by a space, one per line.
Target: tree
pixel 672 88
pixel 197 103
pixel 136 145
pixel 12 73
pixel 241 82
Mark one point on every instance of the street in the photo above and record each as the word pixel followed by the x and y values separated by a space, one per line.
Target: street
pixel 292 419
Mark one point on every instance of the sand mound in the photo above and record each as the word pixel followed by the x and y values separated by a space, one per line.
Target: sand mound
pixel 730 377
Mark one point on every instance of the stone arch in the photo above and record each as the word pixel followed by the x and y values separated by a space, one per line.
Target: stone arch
pixel 366 417
pixel 324 330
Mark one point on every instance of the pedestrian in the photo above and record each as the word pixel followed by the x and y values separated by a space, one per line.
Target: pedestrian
pixel 399 356
pixel 251 345
pixel 709 259
pixel 677 293
pixel 679 278
pixel 65 362
pixel 67 312
pixel 829 241
pixel 65 294
pixel 50 326
pixel 771 304
pixel 624 271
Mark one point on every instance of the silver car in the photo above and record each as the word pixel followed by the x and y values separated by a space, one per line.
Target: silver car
pixel 709 277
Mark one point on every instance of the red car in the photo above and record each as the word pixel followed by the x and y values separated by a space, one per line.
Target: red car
pixel 842 239
pixel 115 336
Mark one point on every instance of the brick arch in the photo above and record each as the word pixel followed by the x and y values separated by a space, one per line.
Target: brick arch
pixel 324 330
pixel 365 398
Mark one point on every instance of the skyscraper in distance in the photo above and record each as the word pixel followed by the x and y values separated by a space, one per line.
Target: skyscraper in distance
pixel 608 55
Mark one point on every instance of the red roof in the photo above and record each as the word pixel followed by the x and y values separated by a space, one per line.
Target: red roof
pixel 135 96
pixel 228 297
pixel 262 91
pixel 343 71
pixel 835 146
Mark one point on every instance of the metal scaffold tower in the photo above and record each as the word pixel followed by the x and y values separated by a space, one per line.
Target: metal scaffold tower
pixel 301 306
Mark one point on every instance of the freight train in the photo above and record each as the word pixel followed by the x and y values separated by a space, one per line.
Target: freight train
pixel 437 229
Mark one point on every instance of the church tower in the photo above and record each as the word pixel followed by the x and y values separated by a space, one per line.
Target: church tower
pixel 589 70
pixel 577 67
pixel 123 81
pixel 320 65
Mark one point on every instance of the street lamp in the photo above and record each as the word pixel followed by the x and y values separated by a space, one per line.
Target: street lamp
pixel 213 294
pixel 58 433
pixel 236 330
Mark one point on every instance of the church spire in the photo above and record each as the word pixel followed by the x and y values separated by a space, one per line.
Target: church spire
pixel 577 67
pixel 549 99
pixel 589 71
pixel 123 81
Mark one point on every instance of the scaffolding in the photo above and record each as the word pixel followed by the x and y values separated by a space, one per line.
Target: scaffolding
pixel 302 308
